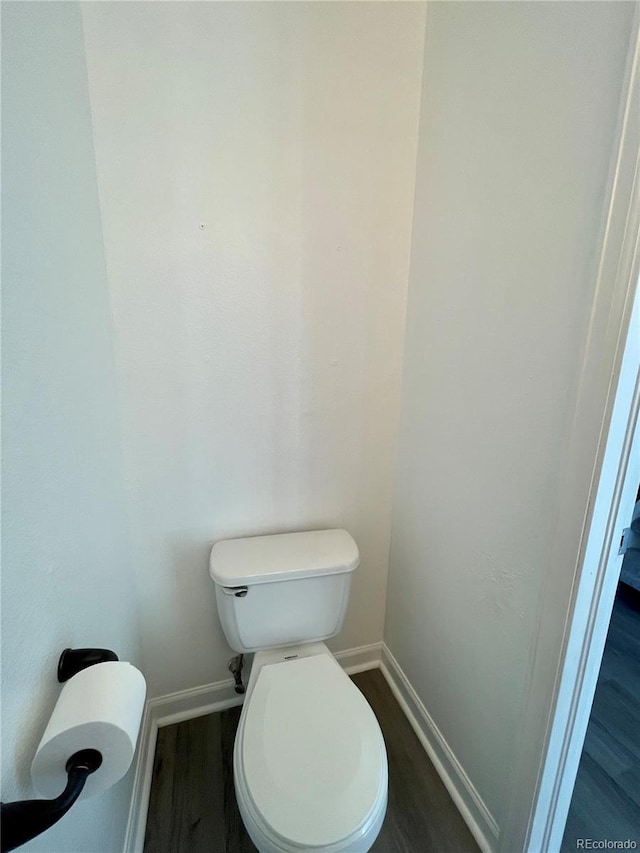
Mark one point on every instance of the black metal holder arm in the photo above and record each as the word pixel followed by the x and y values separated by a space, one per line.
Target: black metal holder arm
pixel 24 820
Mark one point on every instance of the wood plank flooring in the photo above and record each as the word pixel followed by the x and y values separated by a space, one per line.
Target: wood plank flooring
pixel 193 806
pixel 606 798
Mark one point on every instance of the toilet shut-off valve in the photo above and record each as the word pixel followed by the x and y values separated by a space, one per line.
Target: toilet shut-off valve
pixel 235 668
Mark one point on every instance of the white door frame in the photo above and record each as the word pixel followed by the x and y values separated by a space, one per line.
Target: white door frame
pixel 592 612
pixel 612 494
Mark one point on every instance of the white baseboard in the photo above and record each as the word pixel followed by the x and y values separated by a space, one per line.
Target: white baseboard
pixel 196 702
pixel 477 816
pixel 143 763
pixel 360 659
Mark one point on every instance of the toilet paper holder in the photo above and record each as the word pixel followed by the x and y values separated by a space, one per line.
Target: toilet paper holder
pixel 23 820
pixel 72 661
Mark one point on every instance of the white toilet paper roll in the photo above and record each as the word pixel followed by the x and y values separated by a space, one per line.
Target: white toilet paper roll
pixel 99 708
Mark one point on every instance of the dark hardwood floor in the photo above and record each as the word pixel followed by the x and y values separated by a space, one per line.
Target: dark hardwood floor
pixel 193 806
pixel 606 797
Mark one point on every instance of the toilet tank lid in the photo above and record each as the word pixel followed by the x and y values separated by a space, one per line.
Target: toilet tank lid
pixel 282 557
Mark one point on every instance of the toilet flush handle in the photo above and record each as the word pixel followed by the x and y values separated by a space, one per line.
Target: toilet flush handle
pixel 238 591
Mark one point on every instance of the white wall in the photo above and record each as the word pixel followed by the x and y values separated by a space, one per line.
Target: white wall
pixel 66 568
pixel 518 117
pixel 256 169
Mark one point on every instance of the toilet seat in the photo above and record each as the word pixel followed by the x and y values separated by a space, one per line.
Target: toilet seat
pixel 310 763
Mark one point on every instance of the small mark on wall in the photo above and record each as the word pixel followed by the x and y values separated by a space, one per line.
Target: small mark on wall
pixel 496 583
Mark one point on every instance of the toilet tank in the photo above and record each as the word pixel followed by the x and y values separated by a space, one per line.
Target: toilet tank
pixel 282 589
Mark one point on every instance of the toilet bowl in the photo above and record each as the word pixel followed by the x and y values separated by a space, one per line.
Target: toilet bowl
pixel 309 761
pixel 310 765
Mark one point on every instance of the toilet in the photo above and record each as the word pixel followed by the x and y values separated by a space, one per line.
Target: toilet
pixel 309 760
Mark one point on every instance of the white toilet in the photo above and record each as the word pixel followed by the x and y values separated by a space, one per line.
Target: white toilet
pixel 310 764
